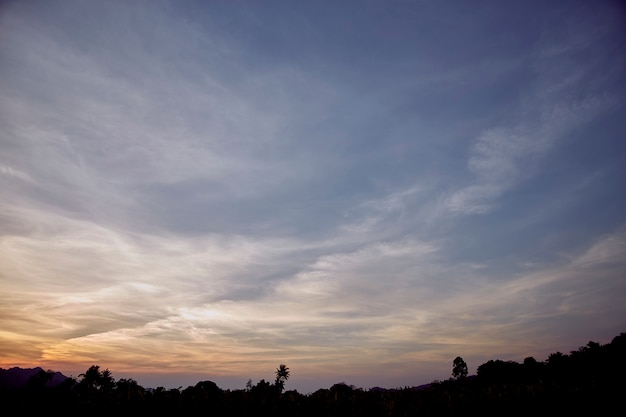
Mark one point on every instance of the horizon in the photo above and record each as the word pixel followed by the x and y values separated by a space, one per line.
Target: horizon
pixel 362 191
pixel 303 387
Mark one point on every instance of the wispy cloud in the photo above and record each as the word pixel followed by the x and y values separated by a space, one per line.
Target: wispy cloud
pixel 504 156
pixel 10 172
pixel 330 310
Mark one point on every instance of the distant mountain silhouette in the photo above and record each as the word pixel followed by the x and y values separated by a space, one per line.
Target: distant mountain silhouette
pixel 16 378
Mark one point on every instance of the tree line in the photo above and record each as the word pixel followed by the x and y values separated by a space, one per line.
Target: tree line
pixel 589 380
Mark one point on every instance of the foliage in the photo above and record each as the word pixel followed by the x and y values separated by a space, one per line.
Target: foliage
pixel 282 375
pixel 459 368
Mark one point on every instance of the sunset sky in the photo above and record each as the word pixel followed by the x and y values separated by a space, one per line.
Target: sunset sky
pixel 362 190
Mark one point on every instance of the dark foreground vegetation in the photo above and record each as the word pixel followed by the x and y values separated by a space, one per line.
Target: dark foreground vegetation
pixel 587 381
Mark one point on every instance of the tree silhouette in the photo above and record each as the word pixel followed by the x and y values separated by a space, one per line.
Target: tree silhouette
pixel 459 368
pixel 40 379
pixel 128 390
pixel 282 375
pixel 94 379
pixel 96 386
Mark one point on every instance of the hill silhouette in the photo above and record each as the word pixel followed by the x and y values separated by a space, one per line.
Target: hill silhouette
pixel 589 380
pixel 15 378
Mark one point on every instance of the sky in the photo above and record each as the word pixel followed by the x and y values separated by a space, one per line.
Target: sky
pixel 361 190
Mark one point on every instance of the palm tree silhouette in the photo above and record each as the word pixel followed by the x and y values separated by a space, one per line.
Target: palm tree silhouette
pixel 282 375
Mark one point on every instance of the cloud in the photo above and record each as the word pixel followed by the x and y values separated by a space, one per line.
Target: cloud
pixel 606 251
pixel 113 136
pixel 349 305
pixel 504 156
pixel 11 172
pixel 475 199
pixel 578 286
